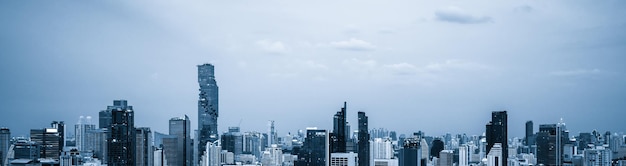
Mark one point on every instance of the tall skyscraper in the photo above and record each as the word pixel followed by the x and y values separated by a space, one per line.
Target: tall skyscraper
pixel 530 134
pixel 363 146
pixel 338 137
pixel 208 109
pixel 144 154
pixel 121 140
pixel 180 153
pixel 411 153
pixel 80 131
pixel 315 150
pixel 551 139
pixel 496 132
pixel 5 138
pixel 50 139
pixel 232 141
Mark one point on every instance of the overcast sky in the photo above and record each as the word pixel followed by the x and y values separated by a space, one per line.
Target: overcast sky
pixel 434 66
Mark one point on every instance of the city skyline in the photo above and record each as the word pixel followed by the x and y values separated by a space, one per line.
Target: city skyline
pixel 436 67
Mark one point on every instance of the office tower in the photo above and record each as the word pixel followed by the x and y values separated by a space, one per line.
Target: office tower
pixel 212 155
pixel 121 140
pixel 529 139
pixel 550 142
pixel 338 137
pixel 464 155
pixel 50 140
pixel 363 146
pixel 95 141
pixel 411 154
pixel 598 155
pixel 252 143
pixel 80 130
pixel 273 136
pixel 104 116
pixel 272 156
pixel 496 132
pixel 343 159
pixel 159 157
pixel 382 148
pixel 438 146
pixel 5 138
pixel 181 151
pixel 208 109
pixel 315 150
pixel 24 149
pixel 144 154
pixel 495 156
pixel 232 141
pixel 446 158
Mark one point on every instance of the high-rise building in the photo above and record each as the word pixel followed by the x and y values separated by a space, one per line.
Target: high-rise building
pixel 121 140
pixel 232 141
pixel 437 146
pixel 144 154
pixel 252 143
pixel 272 156
pixel 382 148
pixel 598 155
pixel 411 154
pixel 495 156
pixel 208 109
pixel 80 131
pixel 181 152
pixel 464 155
pixel 363 146
pixel 212 155
pixel 338 137
pixel 315 150
pixel 343 159
pixel 5 143
pixel 530 138
pixel 49 139
pixel 273 136
pixel 496 132
pixel 550 142
pixel 446 158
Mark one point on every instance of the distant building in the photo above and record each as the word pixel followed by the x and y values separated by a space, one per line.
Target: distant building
pixel 339 136
pixel 446 158
pixel 343 159
pixel 550 142
pixel 208 109
pixel 363 145
pixel 316 150
pixel 50 141
pixel 411 153
pixel 464 155
pixel 529 140
pixel 382 148
pixel 496 132
pixel 5 143
pixel 272 156
pixel 212 155
pixel 495 156
pixel 81 128
pixel 386 162
pixel 180 150
pixel 145 151
pixel 437 146
pixel 598 155
pixel 121 141
pixel 232 141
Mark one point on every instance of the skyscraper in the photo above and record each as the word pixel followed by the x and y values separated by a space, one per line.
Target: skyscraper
pixel 530 135
pixel 181 153
pixel 411 153
pixel 551 139
pixel 207 107
pixel 50 140
pixel 496 132
pixel 80 131
pixel 338 137
pixel 232 141
pixel 144 154
pixel 121 140
pixel 315 150
pixel 363 146
pixel 5 138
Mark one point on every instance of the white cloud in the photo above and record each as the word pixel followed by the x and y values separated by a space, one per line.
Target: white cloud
pixel 403 68
pixel 457 15
pixel 270 46
pixel 454 64
pixel 353 45
pixel 578 72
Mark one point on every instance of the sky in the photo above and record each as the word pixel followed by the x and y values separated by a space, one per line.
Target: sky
pixel 411 65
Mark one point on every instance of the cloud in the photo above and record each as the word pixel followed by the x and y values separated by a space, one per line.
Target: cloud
pixel 275 47
pixel 454 64
pixel 457 15
pixel 353 45
pixel 578 72
pixel 524 9
pixel 403 68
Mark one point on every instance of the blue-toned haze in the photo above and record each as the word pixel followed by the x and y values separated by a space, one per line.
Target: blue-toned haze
pixel 435 66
